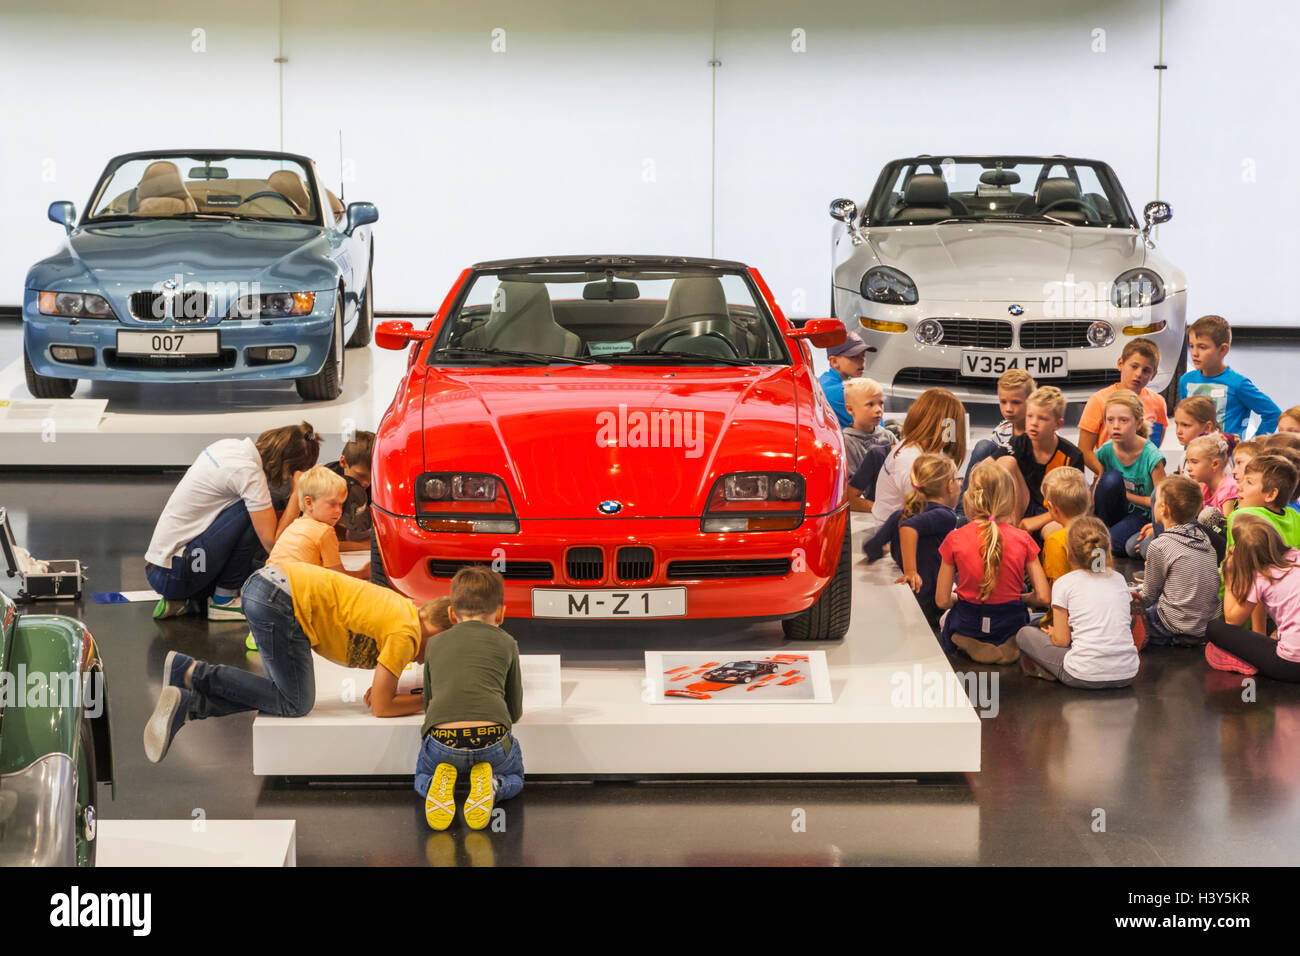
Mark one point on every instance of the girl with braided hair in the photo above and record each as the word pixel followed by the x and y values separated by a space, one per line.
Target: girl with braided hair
pixel 988 558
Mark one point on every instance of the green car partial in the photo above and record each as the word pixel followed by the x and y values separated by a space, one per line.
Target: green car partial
pixel 54 739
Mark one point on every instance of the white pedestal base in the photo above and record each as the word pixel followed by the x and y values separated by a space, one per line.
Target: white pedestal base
pixel 879 723
pixel 178 843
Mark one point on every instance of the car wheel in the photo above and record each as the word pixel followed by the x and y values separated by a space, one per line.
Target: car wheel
pixel 749 680
pixel 327 384
pixel 828 617
pixel 365 314
pixel 45 386
pixel 377 575
pixel 1171 390
pixel 87 818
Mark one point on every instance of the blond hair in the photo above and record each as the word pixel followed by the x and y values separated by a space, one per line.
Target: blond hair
pixel 319 482
pixel 435 611
pixel 1212 446
pixel 989 500
pixel 1122 396
pixel 1066 489
pixel 1049 397
pixel 1017 378
pixel 930 476
pixel 863 386
pixel 1084 540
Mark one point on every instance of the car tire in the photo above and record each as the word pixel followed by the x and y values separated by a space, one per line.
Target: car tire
pixel 377 574
pixel 45 386
pixel 327 384
pixel 1170 393
pixel 87 785
pixel 828 617
pixel 365 315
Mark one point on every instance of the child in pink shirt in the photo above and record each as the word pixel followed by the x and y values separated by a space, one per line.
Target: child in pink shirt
pixel 1206 462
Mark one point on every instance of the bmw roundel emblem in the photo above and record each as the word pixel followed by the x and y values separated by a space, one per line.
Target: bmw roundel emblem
pixel 1015 310
pixel 169 284
pixel 610 507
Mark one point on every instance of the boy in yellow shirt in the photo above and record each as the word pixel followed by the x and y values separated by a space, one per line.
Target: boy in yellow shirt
pixel 1065 496
pixel 293 610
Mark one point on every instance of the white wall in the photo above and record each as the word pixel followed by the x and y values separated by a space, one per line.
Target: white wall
pixel 591 130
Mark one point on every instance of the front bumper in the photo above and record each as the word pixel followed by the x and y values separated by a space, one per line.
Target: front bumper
pixel 809 555
pixel 309 335
pixel 906 368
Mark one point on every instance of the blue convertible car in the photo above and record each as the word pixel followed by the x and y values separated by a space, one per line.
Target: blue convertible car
pixel 207 265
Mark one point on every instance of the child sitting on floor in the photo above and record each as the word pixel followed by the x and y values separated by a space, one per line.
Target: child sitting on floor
pixel 1036 454
pixel 1090 644
pixel 311 538
pixel 865 400
pixel 1065 495
pixel 1259 571
pixel 1206 462
pixel 988 558
pixel 1132 467
pixel 1180 585
pixel 919 528
pixel 473 694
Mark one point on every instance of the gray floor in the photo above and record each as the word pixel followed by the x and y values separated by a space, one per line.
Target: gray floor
pixel 1177 770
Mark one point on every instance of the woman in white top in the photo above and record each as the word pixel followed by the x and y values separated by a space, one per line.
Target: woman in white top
pixel 207 538
pixel 1090 644
pixel 935 423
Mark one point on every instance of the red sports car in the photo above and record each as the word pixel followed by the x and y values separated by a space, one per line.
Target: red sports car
pixel 622 438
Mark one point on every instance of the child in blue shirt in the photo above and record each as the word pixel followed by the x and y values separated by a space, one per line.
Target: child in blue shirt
pixel 847 361
pixel 1234 395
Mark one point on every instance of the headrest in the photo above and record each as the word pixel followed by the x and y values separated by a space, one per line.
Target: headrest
pixel 515 298
pixel 290 185
pixel 1054 190
pixel 695 295
pixel 926 189
pixel 1000 177
pixel 161 178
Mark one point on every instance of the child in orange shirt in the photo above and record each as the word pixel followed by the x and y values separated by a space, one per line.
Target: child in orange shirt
pixel 311 538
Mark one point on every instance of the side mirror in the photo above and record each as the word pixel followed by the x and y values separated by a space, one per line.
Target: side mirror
pixel 845 210
pixel 360 214
pixel 1154 213
pixel 821 333
pixel 64 213
pixel 398 334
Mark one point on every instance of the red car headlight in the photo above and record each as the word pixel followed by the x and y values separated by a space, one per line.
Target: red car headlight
pixel 755 501
pixel 464 501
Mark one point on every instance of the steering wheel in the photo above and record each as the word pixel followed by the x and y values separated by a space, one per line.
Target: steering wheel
pixel 274 195
pixel 1077 203
pixel 728 349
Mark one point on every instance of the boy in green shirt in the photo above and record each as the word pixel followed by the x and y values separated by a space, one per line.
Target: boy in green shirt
pixel 473 694
pixel 1268 484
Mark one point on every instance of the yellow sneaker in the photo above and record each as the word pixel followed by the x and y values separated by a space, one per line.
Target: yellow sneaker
pixel 478 805
pixel 439 805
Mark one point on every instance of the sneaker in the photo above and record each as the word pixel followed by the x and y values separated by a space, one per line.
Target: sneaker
pixel 1221 660
pixel 249 642
pixel 478 805
pixel 174 667
pixel 230 610
pixel 165 609
pixel 168 717
pixel 439 803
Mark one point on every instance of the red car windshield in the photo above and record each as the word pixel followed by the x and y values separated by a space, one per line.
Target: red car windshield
pixel 613 316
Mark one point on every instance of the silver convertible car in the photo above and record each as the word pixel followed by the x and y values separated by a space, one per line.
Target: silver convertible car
pixel 957 269
pixel 202 265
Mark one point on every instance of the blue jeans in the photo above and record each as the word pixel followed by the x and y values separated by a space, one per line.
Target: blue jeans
pixel 1110 504
pixel 223 553
pixel 289 689
pixel 506 767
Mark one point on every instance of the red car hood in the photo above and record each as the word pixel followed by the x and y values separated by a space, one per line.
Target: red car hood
pixel 567 438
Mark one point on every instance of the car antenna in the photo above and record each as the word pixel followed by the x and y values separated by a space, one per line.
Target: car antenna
pixel 342 183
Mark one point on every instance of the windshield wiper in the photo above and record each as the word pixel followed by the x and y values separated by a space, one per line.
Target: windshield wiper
pixel 541 357
pixel 696 356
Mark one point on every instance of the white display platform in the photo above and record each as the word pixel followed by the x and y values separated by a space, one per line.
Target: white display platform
pixel 605 728
pixel 169 425
pixel 197 843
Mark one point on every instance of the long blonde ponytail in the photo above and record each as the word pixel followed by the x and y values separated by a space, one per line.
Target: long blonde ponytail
pixel 990 499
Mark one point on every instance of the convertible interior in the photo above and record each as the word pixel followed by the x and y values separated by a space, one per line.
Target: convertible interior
pixel 925 198
pixel 162 191
pixel 611 318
